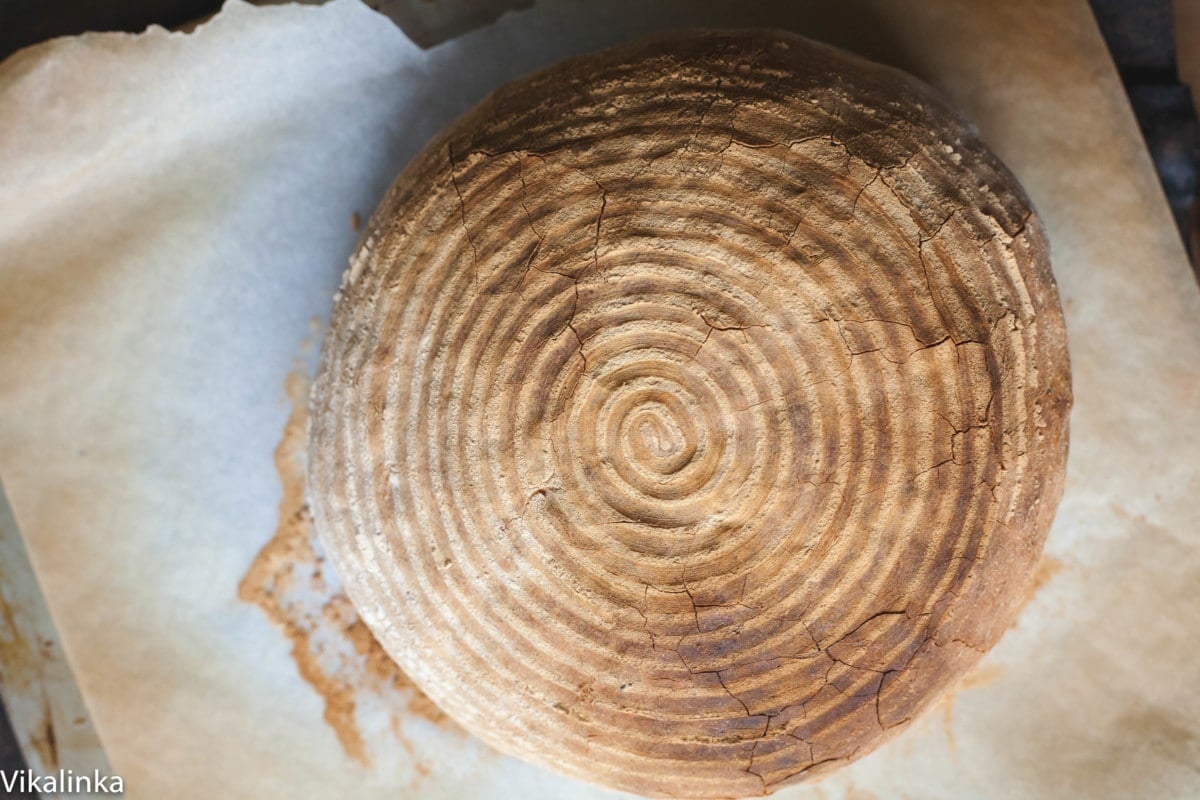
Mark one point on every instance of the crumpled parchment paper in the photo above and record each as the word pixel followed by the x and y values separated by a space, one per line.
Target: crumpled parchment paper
pixel 174 212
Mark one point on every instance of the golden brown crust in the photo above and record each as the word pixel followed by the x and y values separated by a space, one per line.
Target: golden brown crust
pixel 693 413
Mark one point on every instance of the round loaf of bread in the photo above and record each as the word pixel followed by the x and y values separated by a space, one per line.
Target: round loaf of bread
pixel 693 413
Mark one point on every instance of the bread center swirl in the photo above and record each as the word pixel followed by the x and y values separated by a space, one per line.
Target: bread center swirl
pixel 657 438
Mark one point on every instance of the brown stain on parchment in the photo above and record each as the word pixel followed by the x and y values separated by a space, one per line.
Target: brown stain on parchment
pixel 981 676
pixel 45 742
pixel 1047 568
pixel 25 663
pixel 855 793
pixel 292 583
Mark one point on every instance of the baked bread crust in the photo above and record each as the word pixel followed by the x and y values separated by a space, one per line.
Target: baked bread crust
pixel 694 412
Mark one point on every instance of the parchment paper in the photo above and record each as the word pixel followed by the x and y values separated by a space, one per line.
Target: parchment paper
pixel 174 211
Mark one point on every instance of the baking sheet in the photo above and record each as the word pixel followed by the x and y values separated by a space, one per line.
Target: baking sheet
pixel 176 209
pixel 41 699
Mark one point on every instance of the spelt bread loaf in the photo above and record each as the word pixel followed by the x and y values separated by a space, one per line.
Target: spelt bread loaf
pixel 693 413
